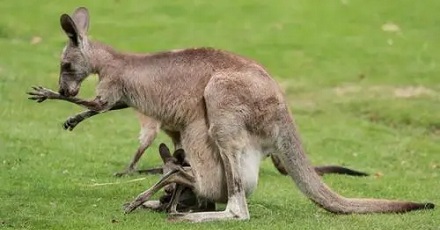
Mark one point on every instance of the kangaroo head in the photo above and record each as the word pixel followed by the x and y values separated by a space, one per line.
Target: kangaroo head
pixel 75 62
pixel 171 161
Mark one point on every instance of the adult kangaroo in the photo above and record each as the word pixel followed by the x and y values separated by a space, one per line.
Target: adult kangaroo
pixel 229 112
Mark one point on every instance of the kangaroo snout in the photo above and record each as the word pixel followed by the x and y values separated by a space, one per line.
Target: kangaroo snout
pixel 68 93
pixel 62 92
pixel 68 90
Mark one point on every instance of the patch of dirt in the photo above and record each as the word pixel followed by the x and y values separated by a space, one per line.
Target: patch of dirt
pixel 411 91
pixel 36 40
pixel 391 27
pixel 347 89
pixel 386 91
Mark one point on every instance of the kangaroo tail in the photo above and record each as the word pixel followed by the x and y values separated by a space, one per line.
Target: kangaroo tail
pixel 298 166
pixel 336 169
pixel 321 170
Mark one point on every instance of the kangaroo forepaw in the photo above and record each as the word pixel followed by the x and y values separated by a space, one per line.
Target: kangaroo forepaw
pixel 40 94
pixel 70 123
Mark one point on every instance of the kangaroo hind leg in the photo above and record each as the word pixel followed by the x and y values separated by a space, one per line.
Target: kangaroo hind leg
pixel 227 130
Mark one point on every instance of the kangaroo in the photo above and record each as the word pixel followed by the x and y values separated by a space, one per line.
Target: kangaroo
pixel 149 130
pixel 229 111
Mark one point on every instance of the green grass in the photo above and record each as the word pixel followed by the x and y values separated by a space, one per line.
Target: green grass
pixel 362 97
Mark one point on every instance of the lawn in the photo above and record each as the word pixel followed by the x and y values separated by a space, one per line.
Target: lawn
pixel 362 79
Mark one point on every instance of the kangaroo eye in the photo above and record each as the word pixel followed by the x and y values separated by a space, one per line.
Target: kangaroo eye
pixel 66 65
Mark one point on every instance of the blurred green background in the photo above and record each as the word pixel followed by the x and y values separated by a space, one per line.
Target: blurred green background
pixel 361 77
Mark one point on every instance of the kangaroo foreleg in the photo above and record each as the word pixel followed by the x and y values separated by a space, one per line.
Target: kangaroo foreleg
pixel 74 120
pixel 98 104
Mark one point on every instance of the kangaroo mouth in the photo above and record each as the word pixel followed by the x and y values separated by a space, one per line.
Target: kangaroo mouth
pixel 68 92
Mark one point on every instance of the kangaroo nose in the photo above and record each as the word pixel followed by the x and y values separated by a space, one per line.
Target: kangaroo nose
pixel 62 92
pixel 168 189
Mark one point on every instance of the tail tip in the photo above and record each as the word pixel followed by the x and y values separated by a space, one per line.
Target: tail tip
pixel 429 206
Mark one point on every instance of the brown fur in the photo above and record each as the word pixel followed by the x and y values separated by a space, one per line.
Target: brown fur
pixel 229 111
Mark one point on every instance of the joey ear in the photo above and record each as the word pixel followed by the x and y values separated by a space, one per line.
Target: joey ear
pixel 180 156
pixel 70 28
pixel 81 18
pixel 164 152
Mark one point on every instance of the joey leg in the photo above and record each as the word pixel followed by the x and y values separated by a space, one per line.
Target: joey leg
pixel 172 205
pixel 171 177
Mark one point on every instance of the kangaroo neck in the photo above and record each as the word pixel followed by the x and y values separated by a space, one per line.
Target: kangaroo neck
pixel 106 61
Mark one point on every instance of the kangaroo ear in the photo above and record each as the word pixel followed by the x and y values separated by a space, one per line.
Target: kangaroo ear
pixel 180 156
pixel 70 28
pixel 164 152
pixel 81 18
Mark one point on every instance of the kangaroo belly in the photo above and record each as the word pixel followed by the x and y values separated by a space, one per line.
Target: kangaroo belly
pixel 250 166
pixel 211 183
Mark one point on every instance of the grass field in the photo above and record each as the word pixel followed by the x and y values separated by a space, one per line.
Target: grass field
pixel 362 79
